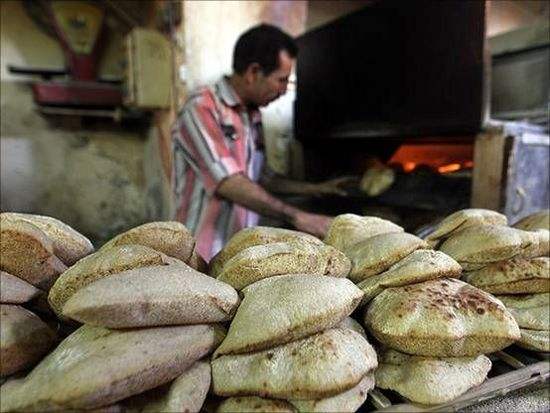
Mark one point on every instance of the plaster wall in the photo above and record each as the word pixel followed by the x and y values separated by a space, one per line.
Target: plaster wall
pixel 91 178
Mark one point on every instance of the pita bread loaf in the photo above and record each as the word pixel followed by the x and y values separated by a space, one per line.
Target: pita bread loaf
pixel 27 252
pixel 254 404
pixel 185 394
pixel 463 219
pixel 348 229
pixel 378 253
pixel 68 245
pixel 153 296
pixel 441 318
pixel 100 265
pixel 13 290
pixel 539 244
pixel 252 236
pixel 351 324
pixel 348 401
pixel 477 246
pixel 169 237
pixel 419 266
pixel 538 220
pixel 536 340
pixel 430 380
pixel 24 339
pixel 96 367
pixel 315 367
pixel 514 276
pixel 530 311
pixel 262 261
pixel 285 308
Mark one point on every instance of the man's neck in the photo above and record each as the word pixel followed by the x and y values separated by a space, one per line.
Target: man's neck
pixel 237 83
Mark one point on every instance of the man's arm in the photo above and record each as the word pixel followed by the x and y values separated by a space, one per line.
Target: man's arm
pixel 241 190
pixel 279 185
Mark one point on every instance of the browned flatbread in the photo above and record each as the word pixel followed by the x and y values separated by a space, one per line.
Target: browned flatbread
pixel 24 339
pixel 169 237
pixel 27 252
pixel 96 367
pixel 151 296
pixel 477 246
pixel 252 236
pixel 68 245
pixel 538 220
pixel 463 219
pixel 514 276
pixel 441 318
pixel 281 309
pixel 378 253
pixel 347 230
pixel 278 258
pixel 99 265
pixel 14 290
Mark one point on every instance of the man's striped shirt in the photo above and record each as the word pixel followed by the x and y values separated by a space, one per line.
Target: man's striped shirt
pixel 214 137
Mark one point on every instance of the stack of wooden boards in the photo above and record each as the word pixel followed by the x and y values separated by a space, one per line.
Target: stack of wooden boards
pixel 150 323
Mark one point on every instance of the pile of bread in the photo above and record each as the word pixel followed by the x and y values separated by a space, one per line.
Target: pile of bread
pixel 149 325
pixel 149 319
pixel 512 263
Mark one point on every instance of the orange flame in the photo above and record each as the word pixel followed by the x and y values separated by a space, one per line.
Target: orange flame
pixel 449 168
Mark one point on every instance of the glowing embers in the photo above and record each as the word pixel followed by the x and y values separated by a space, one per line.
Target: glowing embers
pixel 442 158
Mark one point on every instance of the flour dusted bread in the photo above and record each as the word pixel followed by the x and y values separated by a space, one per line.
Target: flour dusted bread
pixel 378 253
pixel 530 311
pixel 477 246
pixel 441 318
pixel 285 308
pixel 463 219
pixel 254 404
pixel 185 394
pixel 24 339
pixel 158 295
pixel 348 229
pixel 258 235
pixel 514 276
pixel 262 261
pixel 96 367
pixel 68 244
pixel 14 290
pixel 419 266
pixel 348 401
pixel 100 265
pixel 27 252
pixel 429 380
pixel 169 237
pixel 315 367
pixel 536 340
pixel 538 220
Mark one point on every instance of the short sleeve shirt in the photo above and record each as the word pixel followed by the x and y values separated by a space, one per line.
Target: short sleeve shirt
pixel 215 136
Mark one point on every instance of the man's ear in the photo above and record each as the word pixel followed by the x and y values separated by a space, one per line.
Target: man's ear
pixel 252 72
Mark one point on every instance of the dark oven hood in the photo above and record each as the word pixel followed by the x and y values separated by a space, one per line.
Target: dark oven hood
pixel 393 69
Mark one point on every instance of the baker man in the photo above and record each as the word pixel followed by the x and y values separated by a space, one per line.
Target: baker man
pixel 219 180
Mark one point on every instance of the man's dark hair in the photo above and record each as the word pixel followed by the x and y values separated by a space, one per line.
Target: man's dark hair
pixel 262 44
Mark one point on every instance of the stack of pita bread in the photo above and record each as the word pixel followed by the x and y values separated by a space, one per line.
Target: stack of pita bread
pixel 149 319
pixel 291 345
pixel 511 262
pixel 430 324
pixel 34 250
pixel 383 255
pixel 257 253
pixel 435 330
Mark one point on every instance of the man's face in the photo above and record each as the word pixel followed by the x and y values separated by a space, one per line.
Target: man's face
pixel 265 89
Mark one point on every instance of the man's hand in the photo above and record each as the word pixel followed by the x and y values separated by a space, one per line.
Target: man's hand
pixel 313 224
pixel 336 186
